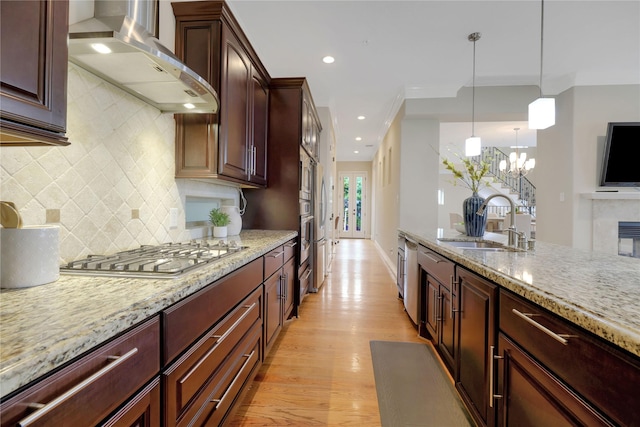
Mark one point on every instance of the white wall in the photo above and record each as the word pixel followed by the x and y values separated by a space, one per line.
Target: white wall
pixel 571 151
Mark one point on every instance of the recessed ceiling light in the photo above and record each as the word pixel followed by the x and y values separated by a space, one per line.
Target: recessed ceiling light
pixel 328 59
pixel 356 151
pixel 358 138
pixel 361 117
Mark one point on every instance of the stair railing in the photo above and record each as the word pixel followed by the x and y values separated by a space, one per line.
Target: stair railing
pixel 519 184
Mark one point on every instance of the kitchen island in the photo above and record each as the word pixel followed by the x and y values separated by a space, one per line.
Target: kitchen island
pixel 44 327
pixel 597 292
pixel 549 336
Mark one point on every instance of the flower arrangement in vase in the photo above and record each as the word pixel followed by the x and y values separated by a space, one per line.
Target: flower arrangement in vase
pixel 471 176
pixel 220 220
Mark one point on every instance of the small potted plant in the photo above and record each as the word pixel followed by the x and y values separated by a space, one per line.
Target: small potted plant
pixel 220 220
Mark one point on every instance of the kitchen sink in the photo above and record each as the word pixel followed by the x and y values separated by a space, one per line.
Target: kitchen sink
pixel 479 245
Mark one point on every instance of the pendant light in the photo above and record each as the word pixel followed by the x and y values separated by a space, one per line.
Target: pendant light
pixel 542 111
pixel 472 145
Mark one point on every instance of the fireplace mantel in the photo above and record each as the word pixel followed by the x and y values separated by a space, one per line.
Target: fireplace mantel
pixel 612 195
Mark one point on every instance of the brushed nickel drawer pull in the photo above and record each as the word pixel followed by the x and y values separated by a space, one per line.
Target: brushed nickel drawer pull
pixel 290 245
pixel 277 254
pixel 307 275
pixel 431 257
pixel 217 343
pixel 492 360
pixel 118 360
pixel 244 365
pixel 527 317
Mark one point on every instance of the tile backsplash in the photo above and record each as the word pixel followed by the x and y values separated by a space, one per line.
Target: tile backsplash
pixel 112 188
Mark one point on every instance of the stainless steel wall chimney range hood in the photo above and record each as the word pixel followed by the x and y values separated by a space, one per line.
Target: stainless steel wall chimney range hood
pixel 133 58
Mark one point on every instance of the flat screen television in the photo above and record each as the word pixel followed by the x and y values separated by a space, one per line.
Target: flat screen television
pixel 621 161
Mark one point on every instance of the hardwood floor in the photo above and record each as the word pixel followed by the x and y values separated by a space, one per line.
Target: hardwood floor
pixel 319 372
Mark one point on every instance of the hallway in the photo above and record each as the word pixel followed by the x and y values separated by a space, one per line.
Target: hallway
pixel 319 372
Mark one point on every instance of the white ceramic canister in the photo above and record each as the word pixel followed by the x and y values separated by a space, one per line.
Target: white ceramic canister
pixel 30 256
pixel 235 226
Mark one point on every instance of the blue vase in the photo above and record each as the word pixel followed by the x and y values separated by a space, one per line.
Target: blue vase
pixel 474 224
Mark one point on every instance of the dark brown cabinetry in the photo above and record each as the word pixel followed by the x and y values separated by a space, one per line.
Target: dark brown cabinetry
pixel 89 389
pixel 217 335
pixel 279 272
pixel 231 145
pixel 438 313
pixel 143 410
pixel 477 310
pixel 278 206
pixel 549 363
pixel 33 66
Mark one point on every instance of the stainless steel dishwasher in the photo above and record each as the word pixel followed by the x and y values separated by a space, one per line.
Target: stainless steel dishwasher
pixel 411 280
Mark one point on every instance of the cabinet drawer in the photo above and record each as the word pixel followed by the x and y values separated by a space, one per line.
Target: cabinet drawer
pixel 222 391
pixel 602 374
pixel 187 320
pixel 189 374
pixel 436 265
pixel 273 261
pixel 86 391
pixel 289 249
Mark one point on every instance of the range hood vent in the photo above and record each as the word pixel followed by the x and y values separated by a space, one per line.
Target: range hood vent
pixel 136 60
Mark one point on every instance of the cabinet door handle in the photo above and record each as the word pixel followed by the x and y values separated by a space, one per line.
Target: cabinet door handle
pixel 244 365
pixel 219 339
pixel 492 360
pixel 439 310
pixel 307 275
pixel 117 360
pixel 275 255
pixel 561 338
pixel 431 257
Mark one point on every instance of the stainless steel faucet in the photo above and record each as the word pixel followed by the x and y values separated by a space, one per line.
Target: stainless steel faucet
pixel 511 231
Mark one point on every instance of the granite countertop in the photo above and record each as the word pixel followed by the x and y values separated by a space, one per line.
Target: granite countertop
pixel 43 327
pixel 598 292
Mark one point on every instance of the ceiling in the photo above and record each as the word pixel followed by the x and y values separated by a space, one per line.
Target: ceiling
pixel 387 51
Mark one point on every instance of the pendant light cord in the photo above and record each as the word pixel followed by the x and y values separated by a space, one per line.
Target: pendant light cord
pixel 473 37
pixel 541 43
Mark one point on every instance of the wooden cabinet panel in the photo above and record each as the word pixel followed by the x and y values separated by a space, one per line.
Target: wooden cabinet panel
pixel 272 308
pixel 289 287
pixel 95 385
pixel 477 310
pixel 531 396
pixel 603 375
pixel 234 117
pixel 260 119
pixel 437 266
pixel 187 320
pixel 447 342
pixel 33 66
pixel 186 379
pixel 273 261
pixel 231 145
pixel 143 410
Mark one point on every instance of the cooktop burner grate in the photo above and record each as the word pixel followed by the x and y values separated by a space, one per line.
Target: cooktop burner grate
pixel 161 261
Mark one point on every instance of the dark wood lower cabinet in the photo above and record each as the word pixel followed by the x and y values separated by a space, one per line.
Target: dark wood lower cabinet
pixel 89 389
pixel 143 410
pixel 477 310
pixel 530 396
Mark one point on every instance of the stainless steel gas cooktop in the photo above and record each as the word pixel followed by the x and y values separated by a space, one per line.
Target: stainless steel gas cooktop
pixel 163 261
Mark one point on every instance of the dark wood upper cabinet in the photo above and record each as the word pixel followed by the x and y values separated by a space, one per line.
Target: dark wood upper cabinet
pixel 232 144
pixel 33 72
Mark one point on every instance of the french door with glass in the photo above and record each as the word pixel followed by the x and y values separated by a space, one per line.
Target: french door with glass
pixel 353 194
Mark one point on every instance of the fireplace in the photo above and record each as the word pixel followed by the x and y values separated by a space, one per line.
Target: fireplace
pixel 629 238
pixel 616 223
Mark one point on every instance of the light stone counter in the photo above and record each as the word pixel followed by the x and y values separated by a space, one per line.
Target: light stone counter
pixel 43 327
pixel 598 292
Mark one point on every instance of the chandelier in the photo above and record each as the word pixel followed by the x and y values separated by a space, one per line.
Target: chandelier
pixel 519 165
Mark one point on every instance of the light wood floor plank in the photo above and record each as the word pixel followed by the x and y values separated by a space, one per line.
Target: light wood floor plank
pixel 319 372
